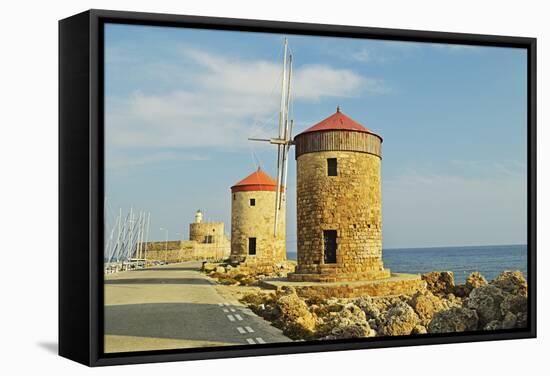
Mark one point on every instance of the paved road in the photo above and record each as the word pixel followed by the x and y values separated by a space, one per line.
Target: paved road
pixel 176 306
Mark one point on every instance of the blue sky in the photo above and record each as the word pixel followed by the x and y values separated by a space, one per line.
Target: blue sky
pixel 181 103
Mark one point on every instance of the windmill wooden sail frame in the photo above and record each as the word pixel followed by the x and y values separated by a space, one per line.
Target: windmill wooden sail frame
pixel 284 139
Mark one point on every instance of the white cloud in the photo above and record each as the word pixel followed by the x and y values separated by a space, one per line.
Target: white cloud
pixel 313 82
pixel 260 77
pixel 222 101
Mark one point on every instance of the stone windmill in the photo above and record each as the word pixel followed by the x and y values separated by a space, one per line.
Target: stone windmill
pixel 339 202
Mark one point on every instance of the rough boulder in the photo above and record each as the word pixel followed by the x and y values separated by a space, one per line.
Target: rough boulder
pixel 473 281
pixel 456 319
pixel 293 316
pixel 350 322
pixel 486 301
pixel 440 283
pixel 426 304
pixel 399 320
pixel 511 282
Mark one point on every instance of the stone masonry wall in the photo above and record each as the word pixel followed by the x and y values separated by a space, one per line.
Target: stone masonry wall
pixel 161 246
pixel 199 231
pixel 256 221
pixel 349 203
pixel 187 250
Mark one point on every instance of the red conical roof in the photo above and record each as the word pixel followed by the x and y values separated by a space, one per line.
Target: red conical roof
pixel 337 121
pixel 256 181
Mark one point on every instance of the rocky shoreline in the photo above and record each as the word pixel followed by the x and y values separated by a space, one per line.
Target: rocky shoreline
pixel 440 307
pixel 242 275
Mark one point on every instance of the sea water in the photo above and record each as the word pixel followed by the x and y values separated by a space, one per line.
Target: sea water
pixel 490 261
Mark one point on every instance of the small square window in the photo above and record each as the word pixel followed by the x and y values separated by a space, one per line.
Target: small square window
pixel 332 167
pixel 252 202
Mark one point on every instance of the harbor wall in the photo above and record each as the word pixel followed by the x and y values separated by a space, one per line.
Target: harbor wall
pixel 187 250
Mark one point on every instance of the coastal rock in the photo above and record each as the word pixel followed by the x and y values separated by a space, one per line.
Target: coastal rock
pixel 342 331
pixel 452 300
pixel 349 322
pixel 439 283
pixel 368 305
pixel 287 290
pixel 208 267
pixel 440 308
pixel 514 303
pixel 400 319
pixel 473 281
pixel 486 301
pixel 511 282
pixel 455 319
pixel 384 303
pixel 419 329
pixel 509 321
pixel 294 317
pixel 426 304
pixel 262 304
pixel 521 320
pixel 493 325
pixel 244 278
pixel 514 310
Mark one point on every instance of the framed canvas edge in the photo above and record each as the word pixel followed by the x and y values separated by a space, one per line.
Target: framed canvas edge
pixel 97 17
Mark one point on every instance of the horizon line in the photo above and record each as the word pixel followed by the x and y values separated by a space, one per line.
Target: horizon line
pixel 447 246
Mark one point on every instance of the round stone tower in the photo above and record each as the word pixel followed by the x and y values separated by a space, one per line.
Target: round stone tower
pixel 252 221
pixel 206 232
pixel 339 204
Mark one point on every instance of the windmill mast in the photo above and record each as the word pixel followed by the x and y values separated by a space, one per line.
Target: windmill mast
pixel 287 135
pixel 284 139
pixel 281 147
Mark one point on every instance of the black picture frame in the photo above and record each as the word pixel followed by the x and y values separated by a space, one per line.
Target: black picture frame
pixel 81 184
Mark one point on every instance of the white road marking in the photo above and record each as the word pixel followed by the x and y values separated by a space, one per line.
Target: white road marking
pixel 232 309
pixel 239 317
pixel 260 340
pixel 226 304
pixel 231 318
pixel 249 329
pixel 250 341
pixel 226 310
pixel 220 304
pixel 241 330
